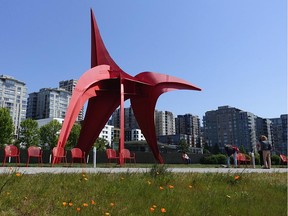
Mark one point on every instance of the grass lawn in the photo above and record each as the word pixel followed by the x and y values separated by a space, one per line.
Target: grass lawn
pixel 157 192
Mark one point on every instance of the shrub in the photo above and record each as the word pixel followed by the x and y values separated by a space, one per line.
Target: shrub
pixel 221 159
pixel 275 160
pixel 257 159
pixel 214 159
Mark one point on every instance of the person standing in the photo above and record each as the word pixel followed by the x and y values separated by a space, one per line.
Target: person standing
pixel 259 150
pixel 235 152
pixel 266 151
pixel 229 152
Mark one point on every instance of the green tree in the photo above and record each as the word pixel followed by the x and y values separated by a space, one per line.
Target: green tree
pixel 29 133
pixel 73 136
pixel 242 149
pixel 101 144
pixel 49 134
pixel 206 149
pixel 183 145
pixel 6 127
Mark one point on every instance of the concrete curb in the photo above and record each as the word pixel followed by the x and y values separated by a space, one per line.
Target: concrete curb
pixel 57 170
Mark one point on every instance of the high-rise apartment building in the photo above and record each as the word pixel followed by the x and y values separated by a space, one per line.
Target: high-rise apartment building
pixel 189 125
pixel 69 85
pixel 229 125
pixel 13 96
pixel 129 119
pixel 279 134
pixel 164 123
pixel 48 103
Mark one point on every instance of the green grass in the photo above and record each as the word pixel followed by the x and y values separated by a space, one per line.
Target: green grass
pixel 135 193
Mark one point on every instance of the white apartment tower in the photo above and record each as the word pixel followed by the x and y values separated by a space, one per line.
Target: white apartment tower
pixel 48 103
pixel 107 133
pixel 13 96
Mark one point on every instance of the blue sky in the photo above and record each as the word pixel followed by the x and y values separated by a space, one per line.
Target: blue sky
pixel 236 51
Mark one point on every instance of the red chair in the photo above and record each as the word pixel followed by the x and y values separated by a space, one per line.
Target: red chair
pixel 36 152
pixel 283 159
pixel 11 151
pixel 112 155
pixel 59 152
pixel 76 153
pixel 126 154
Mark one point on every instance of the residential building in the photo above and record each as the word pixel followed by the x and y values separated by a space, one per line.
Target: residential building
pixel 229 125
pixel 48 103
pixel 107 134
pixel 42 122
pixel 164 123
pixel 133 135
pixel 13 96
pixel 129 119
pixel 69 85
pixel 279 134
pixel 189 125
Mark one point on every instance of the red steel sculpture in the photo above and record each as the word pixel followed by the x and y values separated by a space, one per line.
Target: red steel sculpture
pixel 107 86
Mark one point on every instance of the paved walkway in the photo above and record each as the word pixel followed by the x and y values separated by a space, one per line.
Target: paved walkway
pixel 55 170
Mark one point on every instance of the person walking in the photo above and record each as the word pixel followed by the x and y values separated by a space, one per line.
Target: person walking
pixel 266 151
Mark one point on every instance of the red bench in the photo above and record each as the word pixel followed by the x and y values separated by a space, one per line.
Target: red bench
pixel 243 159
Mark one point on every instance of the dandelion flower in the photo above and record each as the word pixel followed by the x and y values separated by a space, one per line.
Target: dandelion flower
pixel 86 179
pixel 163 210
pixel 107 213
pixel 18 174
pixel 154 206
pixel 161 188
pixel 152 209
pixel 64 203
pixel 190 186
pixel 70 204
pixel 92 202
pixel 112 204
pixel 78 209
pixel 170 186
